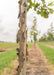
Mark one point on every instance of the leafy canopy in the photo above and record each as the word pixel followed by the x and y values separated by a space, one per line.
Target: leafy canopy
pixel 40 7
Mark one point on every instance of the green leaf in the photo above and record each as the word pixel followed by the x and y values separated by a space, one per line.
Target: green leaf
pixel 43 1
pixel 42 13
pixel 46 14
pixel 37 4
pixel 51 3
pixel 38 12
pixel 43 9
pixel 33 4
pixel 29 1
pixel 50 10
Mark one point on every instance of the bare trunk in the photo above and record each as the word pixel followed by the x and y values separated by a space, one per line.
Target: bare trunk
pixel 22 39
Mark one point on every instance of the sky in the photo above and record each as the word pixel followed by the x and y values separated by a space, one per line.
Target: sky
pixel 9 11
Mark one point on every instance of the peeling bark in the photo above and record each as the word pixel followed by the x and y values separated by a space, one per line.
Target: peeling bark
pixel 22 37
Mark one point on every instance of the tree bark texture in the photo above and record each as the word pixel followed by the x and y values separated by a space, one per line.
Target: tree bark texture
pixel 22 37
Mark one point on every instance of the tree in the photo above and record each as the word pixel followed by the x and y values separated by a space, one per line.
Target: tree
pixel 49 36
pixel 43 38
pixel 50 33
pixel 34 31
pixel 22 38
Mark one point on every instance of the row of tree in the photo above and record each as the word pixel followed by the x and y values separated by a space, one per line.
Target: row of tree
pixel 49 35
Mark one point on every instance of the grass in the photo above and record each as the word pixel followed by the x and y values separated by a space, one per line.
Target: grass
pixel 30 45
pixel 7 45
pixel 49 52
pixel 10 45
pixel 49 43
pixel 8 56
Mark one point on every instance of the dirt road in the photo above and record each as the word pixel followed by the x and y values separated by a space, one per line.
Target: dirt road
pixel 51 46
pixel 36 64
pixel 3 50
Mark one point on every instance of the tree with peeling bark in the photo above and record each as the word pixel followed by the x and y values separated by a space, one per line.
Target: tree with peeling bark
pixel 22 37
pixel 24 5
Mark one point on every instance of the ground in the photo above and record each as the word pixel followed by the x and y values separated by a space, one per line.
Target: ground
pixel 7 46
pixel 48 45
pixel 36 64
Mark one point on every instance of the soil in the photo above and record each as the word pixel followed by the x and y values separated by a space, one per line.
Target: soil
pixel 3 50
pixel 48 45
pixel 36 64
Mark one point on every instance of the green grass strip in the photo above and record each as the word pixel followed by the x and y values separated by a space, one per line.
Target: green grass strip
pixel 7 45
pixel 6 58
pixel 49 43
pixel 49 52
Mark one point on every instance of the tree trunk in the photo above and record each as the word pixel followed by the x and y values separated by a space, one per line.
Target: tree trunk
pixel 22 39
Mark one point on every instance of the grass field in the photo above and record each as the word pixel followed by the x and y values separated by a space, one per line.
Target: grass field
pixel 49 52
pixel 8 56
pixel 49 43
pixel 10 45
pixel 7 45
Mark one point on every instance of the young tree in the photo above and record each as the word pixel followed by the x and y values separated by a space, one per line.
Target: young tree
pixel 34 31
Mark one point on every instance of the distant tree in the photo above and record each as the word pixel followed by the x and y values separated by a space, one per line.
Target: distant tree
pixel 43 38
pixel 50 33
pixel 34 31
